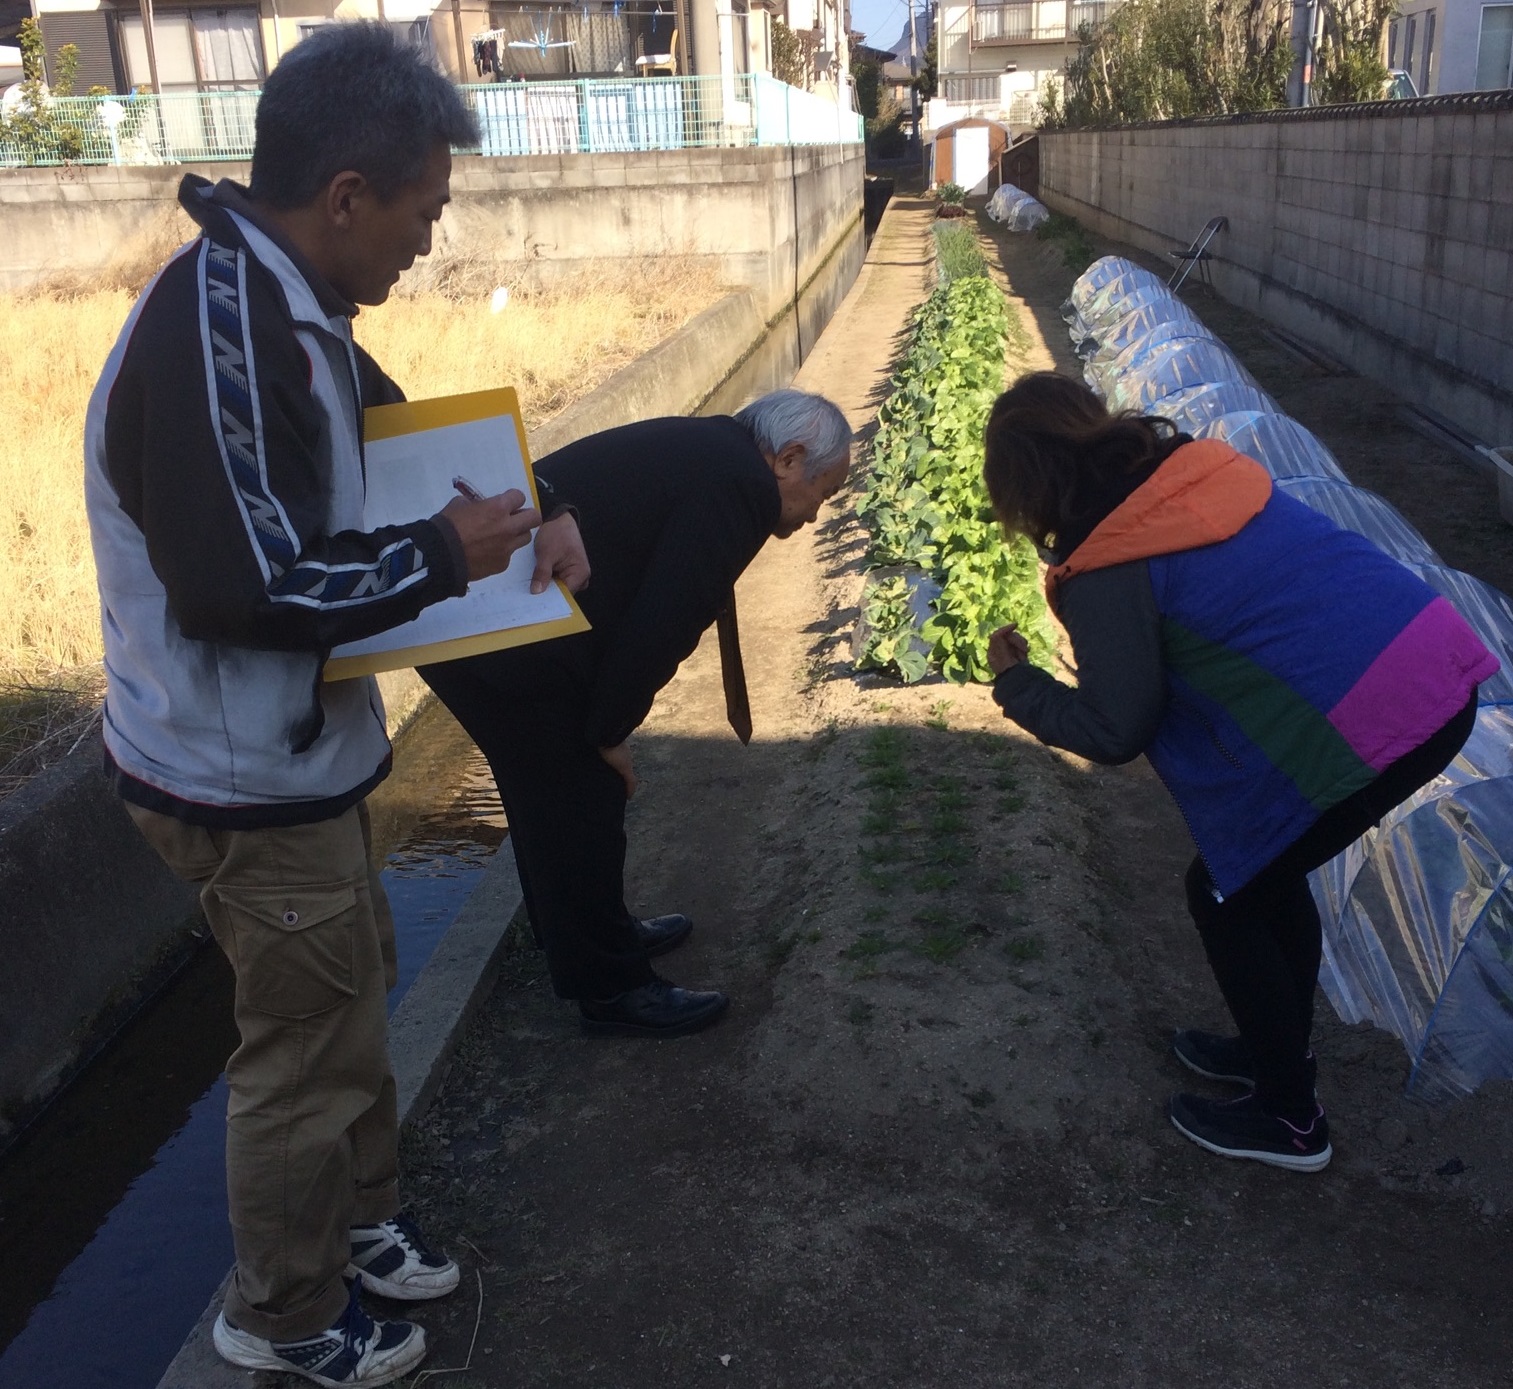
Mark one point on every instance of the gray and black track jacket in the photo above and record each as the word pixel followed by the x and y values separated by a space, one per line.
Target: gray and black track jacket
pixel 224 485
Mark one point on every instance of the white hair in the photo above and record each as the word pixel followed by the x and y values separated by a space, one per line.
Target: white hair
pixel 780 418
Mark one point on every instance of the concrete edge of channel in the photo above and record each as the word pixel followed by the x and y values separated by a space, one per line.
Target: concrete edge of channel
pixel 423 1034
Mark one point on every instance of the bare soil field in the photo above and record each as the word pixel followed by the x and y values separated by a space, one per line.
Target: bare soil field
pixel 927 1146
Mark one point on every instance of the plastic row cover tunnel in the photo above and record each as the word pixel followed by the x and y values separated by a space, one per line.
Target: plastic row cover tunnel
pixel 1016 209
pixel 1418 914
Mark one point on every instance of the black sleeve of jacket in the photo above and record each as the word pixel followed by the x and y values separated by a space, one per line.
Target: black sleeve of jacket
pixel 244 556
pixel 1113 713
pixel 711 535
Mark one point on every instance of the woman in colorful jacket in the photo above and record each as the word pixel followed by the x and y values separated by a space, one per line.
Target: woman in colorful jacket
pixel 1289 682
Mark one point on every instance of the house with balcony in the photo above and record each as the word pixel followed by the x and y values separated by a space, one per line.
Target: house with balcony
pixel 603 76
pixel 183 46
pixel 994 56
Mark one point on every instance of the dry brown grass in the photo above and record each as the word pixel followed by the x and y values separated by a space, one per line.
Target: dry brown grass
pixel 50 354
pixel 553 345
pixel 42 722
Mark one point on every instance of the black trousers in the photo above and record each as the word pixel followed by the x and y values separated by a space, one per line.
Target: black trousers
pixel 566 811
pixel 1264 943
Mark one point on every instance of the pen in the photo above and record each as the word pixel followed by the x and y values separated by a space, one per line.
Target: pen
pixel 466 488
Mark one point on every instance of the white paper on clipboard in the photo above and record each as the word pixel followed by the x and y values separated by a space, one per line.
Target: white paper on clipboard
pixel 413 452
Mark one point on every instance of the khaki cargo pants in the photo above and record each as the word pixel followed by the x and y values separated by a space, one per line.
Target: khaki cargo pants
pixel 311 1132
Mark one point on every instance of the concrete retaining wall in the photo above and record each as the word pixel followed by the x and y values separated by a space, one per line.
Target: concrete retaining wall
pixel 1381 233
pixel 92 920
pixel 768 217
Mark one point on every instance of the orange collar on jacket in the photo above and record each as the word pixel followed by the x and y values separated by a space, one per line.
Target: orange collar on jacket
pixel 1203 493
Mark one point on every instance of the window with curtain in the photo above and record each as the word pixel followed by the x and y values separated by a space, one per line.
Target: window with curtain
pixel 197 50
pixel 1426 76
pixel 1494 51
pixel 229 49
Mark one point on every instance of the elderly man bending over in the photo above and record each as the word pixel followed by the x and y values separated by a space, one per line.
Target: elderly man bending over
pixel 671 511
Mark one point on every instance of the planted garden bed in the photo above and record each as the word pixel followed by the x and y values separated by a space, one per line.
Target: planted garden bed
pixel 943 576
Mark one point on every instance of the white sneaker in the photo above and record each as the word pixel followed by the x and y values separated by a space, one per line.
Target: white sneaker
pixel 392 1260
pixel 357 1350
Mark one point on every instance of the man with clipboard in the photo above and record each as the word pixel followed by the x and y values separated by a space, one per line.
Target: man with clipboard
pixel 224 486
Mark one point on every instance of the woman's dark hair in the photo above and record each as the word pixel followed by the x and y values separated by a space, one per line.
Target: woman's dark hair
pixel 1054 451
pixel 352 96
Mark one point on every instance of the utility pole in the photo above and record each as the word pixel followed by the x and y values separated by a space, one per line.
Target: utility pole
pixel 1305 23
pixel 914 73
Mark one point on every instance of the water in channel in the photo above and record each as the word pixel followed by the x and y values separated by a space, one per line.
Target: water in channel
pixel 113 1206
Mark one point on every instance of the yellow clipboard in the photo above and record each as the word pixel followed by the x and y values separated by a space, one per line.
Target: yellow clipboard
pixel 414 450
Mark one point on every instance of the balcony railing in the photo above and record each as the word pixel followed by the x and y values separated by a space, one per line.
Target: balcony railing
pixel 1031 21
pixel 549 117
pixel 1080 12
pixel 1019 21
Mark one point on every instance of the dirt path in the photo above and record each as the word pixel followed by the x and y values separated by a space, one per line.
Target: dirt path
pixel 926 1147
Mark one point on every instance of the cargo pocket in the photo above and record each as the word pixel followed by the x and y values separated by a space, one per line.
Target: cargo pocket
pixel 293 947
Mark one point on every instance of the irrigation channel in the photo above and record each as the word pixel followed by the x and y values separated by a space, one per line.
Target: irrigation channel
pixel 113 1206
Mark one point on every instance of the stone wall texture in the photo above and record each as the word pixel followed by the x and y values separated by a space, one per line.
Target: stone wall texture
pixel 1383 234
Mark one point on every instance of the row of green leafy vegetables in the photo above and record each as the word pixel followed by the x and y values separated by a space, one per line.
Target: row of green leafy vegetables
pixel 924 502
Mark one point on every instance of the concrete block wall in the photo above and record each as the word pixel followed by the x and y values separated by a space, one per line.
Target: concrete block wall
pixel 770 217
pixel 1382 233
pixel 745 208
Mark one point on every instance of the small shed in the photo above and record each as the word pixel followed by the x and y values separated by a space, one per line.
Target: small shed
pixel 1020 165
pixel 967 152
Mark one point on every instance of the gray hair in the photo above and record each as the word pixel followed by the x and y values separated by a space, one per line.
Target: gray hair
pixel 352 96
pixel 780 418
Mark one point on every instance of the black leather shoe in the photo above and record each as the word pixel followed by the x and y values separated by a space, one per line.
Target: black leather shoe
pixel 659 934
pixel 658 1009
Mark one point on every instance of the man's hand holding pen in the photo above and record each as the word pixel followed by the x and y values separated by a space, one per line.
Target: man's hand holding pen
pixel 491 529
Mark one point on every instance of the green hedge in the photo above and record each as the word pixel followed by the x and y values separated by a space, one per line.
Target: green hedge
pixel 925 503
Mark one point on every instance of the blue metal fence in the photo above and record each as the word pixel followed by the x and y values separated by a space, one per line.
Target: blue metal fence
pixel 584 116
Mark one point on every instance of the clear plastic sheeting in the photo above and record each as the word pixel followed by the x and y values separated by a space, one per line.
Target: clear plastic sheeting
pixel 1101 372
pixel 1133 326
pixel 1103 293
pixel 1172 366
pixel 1365 513
pixel 1278 441
pixel 1418 914
pixel 1098 274
pixel 1016 209
pixel 1193 409
pixel 1418 920
pixel 1119 299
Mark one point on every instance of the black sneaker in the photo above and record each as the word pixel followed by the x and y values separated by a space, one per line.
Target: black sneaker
pixel 392 1260
pixel 1215 1057
pixel 1242 1129
pixel 357 1350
